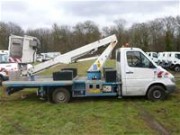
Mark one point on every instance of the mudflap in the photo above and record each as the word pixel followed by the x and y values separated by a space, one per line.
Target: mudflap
pixel 10 90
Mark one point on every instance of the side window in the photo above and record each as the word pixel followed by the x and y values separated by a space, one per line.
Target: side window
pixel 155 55
pixel 4 58
pixel 137 59
pixel 177 56
pixel 118 57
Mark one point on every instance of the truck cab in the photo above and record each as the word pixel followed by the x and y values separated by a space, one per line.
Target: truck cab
pixel 141 76
pixel 5 66
pixel 174 58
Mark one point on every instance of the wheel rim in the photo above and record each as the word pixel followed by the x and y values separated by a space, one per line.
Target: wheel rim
pixel 60 96
pixel 177 69
pixel 157 94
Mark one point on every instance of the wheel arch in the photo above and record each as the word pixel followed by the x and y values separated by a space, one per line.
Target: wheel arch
pixel 155 84
pixel 52 88
pixel 177 65
pixel 68 87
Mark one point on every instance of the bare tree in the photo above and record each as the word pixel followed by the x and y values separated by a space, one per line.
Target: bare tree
pixel 6 29
pixel 85 33
pixel 169 27
pixel 162 34
pixel 44 35
pixel 177 34
pixel 62 38
pixel 156 35
pixel 140 36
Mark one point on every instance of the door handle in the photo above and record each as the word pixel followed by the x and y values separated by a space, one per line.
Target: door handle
pixel 129 72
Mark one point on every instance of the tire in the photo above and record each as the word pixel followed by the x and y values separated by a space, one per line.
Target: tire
pixel 60 95
pixel 156 92
pixel 177 68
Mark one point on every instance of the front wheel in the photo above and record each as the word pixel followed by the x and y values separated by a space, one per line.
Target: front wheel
pixel 156 92
pixel 61 95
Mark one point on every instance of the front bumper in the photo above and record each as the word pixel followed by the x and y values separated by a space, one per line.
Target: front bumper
pixel 170 88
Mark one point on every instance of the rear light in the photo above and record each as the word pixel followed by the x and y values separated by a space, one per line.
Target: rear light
pixel 163 74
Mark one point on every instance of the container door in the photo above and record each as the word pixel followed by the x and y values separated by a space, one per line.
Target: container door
pixel 140 71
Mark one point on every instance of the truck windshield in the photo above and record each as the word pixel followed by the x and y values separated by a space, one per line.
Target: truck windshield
pixel 4 58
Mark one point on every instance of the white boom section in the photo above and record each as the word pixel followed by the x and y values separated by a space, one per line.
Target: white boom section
pixel 99 63
pixel 72 55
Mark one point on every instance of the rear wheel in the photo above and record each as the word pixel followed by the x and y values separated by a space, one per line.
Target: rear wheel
pixel 156 92
pixel 177 68
pixel 61 95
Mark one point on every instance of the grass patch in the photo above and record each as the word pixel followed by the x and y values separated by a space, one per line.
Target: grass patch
pixel 88 116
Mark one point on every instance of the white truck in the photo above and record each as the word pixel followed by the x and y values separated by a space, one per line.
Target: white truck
pixel 163 59
pixel 153 56
pixel 135 75
pixel 174 58
pixel 5 66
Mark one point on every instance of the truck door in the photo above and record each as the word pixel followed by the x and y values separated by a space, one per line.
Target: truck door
pixel 140 71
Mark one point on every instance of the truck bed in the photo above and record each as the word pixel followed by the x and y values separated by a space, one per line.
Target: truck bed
pixel 35 83
pixel 81 86
pixel 38 82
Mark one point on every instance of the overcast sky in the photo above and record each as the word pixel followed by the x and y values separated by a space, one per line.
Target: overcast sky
pixel 43 13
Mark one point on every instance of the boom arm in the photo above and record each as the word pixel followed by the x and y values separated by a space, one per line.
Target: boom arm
pixel 99 63
pixel 72 55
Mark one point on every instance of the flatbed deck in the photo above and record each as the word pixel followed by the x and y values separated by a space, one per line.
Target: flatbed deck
pixel 80 86
pixel 47 81
pixel 36 83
